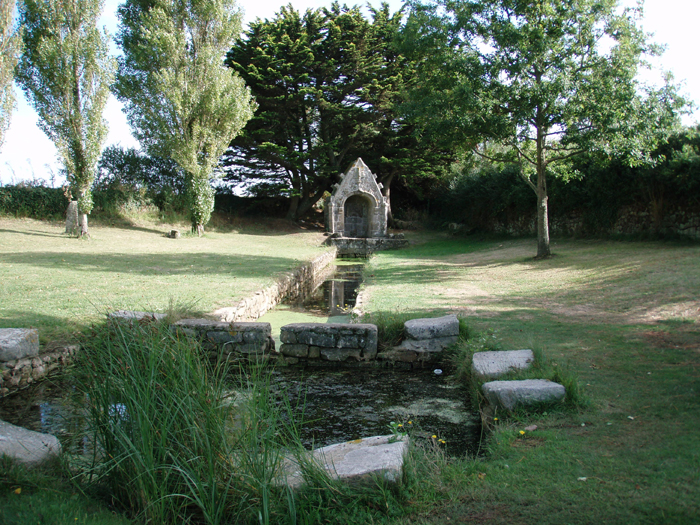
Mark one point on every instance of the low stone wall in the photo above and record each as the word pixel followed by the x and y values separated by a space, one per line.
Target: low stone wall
pixel 291 285
pixel 250 340
pixel 330 342
pixel 19 373
pixel 360 247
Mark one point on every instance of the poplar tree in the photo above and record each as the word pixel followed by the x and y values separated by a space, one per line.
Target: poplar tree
pixel 10 49
pixel 66 72
pixel 181 100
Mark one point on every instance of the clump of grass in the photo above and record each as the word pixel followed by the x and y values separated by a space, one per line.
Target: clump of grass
pixel 389 327
pixel 170 446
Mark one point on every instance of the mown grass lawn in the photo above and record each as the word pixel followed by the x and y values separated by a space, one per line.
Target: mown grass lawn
pixel 61 284
pixel 624 317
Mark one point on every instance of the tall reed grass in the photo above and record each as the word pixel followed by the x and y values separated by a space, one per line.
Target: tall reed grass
pixel 173 442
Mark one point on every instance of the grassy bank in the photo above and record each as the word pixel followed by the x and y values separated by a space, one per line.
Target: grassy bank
pixel 60 284
pixel 623 317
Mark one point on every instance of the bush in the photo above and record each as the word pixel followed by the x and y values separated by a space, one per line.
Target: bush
pixel 34 200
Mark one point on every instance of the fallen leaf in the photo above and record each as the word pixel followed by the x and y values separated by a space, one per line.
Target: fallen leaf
pixel 18 490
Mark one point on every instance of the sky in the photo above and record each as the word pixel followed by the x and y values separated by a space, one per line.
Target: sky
pixel 28 154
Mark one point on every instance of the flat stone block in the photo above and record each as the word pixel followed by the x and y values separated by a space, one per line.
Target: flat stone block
pixel 135 315
pixel 294 350
pixel 489 365
pixel 357 461
pixel 314 352
pixel 509 394
pixel 427 345
pixel 221 338
pixel 18 343
pixel 340 354
pixel 432 328
pixel 27 446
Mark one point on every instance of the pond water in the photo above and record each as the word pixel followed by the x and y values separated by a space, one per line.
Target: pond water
pixel 338 404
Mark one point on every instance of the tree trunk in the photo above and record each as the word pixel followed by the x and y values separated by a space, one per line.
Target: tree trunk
pixel 542 212
pixel 386 192
pixel 84 225
pixel 199 228
pixel 293 207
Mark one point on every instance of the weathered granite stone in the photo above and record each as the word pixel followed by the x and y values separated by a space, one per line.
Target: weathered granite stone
pixel 398 354
pixel 27 446
pixel 349 341
pixel 314 352
pixel 358 461
pixel 224 337
pixel 316 337
pixel 432 328
pixel 428 345
pixel 294 350
pixel 340 354
pixel 489 365
pixel 287 336
pixel 17 343
pixel 509 394
pixel 133 315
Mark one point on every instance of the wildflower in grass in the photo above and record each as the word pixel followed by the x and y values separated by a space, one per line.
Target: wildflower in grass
pixel 442 441
pixel 434 436
pixel 400 425
pixel 522 432
pixel 410 422
pixel 495 419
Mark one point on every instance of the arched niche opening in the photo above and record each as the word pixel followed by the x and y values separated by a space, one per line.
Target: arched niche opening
pixel 358 213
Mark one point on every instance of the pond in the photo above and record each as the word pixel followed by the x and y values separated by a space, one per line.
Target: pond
pixel 338 404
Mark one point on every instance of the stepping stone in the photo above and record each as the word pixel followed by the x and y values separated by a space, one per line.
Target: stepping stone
pixel 359 460
pixel 26 446
pixel 509 394
pixel 134 315
pixel 432 328
pixel 18 343
pixel 489 365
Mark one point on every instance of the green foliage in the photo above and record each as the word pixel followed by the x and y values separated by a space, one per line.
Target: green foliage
pixel 182 102
pixel 534 79
pixel 10 49
pixel 128 179
pixel 66 72
pixel 33 200
pixel 176 438
pixel 327 83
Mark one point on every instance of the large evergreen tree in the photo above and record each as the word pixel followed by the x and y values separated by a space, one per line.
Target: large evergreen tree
pixel 10 48
pixel 326 83
pixel 545 79
pixel 66 71
pixel 181 100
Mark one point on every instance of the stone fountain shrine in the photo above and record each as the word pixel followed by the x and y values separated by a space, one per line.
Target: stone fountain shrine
pixel 356 214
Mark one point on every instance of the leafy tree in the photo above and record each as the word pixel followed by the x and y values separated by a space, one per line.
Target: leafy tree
pixel 10 49
pixel 326 83
pixel 181 100
pixel 546 79
pixel 66 71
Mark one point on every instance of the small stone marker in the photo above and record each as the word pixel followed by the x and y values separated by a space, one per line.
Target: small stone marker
pixel 509 394
pixel 358 460
pixel 27 446
pixel 18 343
pixel 174 234
pixel 489 365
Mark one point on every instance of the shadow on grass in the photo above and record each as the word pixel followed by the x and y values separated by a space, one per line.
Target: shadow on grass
pixel 36 233
pixel 182 263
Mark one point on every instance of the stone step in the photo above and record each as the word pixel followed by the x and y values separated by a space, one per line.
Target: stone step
pixel 432 328
pixel 510 394
pixel 357 461
pixel 26 446
pixel 489 365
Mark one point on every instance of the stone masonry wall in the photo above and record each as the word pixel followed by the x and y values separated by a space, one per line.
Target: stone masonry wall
pixel 333 342
pixel 17 374
pixel 251 340
pixel 293 284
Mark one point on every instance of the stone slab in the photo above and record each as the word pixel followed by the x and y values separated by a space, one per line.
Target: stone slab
pixel 509 394
pixel 18 343
pixel 432 328
pixel 490 365
pixel 135 315
pixel 340 354
pixel 26 446
pixel 358 460
pixel 427 345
